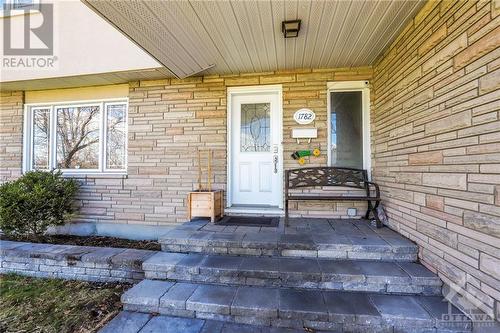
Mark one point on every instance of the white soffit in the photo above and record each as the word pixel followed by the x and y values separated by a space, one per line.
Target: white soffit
pixel 230 37
pixel 98 79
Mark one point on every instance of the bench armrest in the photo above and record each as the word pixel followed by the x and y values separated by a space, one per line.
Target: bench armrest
pixel 377 190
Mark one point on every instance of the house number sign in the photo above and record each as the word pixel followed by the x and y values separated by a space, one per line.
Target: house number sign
pixel 304 116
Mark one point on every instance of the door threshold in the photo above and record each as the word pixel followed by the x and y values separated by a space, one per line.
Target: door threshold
pixel 254 211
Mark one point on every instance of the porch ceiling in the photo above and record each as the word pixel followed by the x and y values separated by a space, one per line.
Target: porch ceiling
pixel 229 37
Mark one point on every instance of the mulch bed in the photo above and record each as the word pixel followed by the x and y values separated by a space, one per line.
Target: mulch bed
pixel 88 241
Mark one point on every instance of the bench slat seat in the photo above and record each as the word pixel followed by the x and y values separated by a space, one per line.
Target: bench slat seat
pixel 332 176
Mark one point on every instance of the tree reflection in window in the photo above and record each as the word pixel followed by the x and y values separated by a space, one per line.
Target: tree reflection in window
pixel 78 137
pixel 41 127
pixel 333 134
pixel 255 127
pixel 115 138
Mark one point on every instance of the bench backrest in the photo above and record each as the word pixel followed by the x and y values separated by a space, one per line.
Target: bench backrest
pixel 326 176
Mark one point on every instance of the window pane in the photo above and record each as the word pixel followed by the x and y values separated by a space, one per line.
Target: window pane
pixel 78 137
pixel 41 127
pixel 347 129
pixel 115 136
pixel 255 127
pixel 16 4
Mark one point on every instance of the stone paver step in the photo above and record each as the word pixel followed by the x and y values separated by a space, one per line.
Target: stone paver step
pixel 136 322
pixel 290 308
pixel 310 273
pixel 322 238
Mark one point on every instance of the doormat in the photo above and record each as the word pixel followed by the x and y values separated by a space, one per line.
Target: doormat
pixel 250 221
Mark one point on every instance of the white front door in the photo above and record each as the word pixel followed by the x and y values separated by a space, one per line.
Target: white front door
pixel 255 149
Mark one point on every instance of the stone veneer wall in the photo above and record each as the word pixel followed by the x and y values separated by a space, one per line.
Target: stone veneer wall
pixel 100 264
pixel 436 143
pixel 168 121
pixel 11 134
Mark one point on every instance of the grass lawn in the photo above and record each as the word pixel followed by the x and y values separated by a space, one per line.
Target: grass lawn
pixel 49 305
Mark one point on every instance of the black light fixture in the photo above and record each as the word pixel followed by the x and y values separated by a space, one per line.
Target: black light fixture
pixel 291 28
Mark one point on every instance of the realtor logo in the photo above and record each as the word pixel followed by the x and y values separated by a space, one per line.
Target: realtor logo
pixel 28 35
pixel 33 35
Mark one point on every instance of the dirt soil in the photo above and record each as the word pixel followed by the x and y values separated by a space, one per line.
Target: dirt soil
pixel 87 241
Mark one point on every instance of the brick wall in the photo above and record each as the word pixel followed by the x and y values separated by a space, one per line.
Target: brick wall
pixel 436 143
pixel 11 134
pixel 169 120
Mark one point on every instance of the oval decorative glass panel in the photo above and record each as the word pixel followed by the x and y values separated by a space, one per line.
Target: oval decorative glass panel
pixel 255 131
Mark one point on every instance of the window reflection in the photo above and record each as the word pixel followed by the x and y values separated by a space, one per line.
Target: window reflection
pixel 346 129
pixel 115 139
pixel 41 127
pixel 78 137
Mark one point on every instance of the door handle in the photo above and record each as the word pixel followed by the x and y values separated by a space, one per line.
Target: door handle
pixel 275 160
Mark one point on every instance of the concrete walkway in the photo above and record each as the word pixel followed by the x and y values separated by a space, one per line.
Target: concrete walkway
pixel 134 322
pixel 303 237
pixel 310 276
pixel 296 308
pixel 310 273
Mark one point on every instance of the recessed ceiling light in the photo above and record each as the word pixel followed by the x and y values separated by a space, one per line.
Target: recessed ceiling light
pixel 291 28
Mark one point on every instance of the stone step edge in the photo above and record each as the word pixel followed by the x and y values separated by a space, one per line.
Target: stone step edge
pixel 392 288
pixel 163 266
pixel 73 262
pixel 254 243
pixel 222 303
pixel 326 254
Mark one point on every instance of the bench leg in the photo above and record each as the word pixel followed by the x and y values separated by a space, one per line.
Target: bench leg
pixel 373 209
pixel 367 215
pixel 375 214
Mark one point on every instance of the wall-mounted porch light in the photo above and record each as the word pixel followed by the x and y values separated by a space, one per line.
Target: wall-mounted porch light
pixel 291 28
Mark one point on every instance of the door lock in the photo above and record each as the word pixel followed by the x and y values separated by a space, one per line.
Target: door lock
pixel 275 160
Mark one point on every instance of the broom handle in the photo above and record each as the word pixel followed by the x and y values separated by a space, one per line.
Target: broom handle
pixel 199 171
pixel 210 170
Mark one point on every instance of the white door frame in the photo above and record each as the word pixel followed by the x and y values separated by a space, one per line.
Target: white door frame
pixel 364 87
pixel 231 91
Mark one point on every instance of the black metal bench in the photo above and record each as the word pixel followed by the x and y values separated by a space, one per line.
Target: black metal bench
pixel 330 176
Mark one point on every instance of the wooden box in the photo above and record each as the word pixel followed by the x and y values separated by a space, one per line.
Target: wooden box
pixel 206 204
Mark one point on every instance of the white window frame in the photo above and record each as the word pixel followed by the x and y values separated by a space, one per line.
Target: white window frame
pixel 346 86
pixel 54 106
